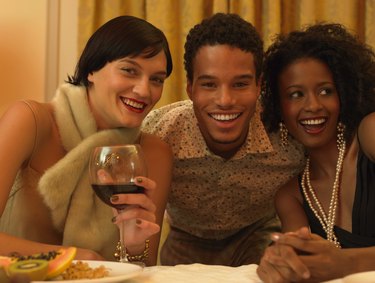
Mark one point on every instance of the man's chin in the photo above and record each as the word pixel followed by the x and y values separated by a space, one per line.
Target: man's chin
pixel 225 140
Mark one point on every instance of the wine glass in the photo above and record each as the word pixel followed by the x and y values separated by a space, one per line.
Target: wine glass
pixel 112 171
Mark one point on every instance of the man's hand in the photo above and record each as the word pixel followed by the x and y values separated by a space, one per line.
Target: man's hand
pixel 281 262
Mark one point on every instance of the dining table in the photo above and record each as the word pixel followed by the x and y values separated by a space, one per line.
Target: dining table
pixel 182 273
pixel 201 273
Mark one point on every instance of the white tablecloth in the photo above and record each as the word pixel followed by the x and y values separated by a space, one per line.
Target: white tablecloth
pixel 198 273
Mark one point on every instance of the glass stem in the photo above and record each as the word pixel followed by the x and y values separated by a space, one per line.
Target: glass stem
pixel 123 257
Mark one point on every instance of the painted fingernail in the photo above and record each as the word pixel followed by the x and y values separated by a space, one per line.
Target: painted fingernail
pixel 139 180
pixel 138 221
pixel 113 219
pixel 114 198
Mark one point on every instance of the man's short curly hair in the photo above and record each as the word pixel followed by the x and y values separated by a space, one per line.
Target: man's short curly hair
pixel 351 62
pixel 229 29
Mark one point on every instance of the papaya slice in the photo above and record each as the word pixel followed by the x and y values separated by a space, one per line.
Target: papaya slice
pixel 61 261
pixel 3 275
pixel 5 262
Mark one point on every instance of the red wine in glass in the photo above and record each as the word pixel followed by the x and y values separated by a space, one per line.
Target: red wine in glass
pixel 113 170
pixel 105 192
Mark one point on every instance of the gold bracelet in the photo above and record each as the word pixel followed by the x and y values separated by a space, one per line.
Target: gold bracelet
pixel 141 257
pixel 132 258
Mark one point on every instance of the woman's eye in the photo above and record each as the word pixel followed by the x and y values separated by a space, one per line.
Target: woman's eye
pixel 296 94
pixel 158 80
pixel 326 91
pixel 129 71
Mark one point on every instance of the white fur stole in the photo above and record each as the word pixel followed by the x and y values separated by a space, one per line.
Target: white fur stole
pixel 76 211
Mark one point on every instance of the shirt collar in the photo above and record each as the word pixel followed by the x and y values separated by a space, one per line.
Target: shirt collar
pixel 257 140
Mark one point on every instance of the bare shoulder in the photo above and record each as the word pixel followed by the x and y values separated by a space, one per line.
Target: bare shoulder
pixel 21 133
pixel 28 109
pixel 24 115
pixel 366 135
pixel 18 111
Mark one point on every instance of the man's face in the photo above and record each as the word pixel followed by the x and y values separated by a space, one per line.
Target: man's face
pixel 224 92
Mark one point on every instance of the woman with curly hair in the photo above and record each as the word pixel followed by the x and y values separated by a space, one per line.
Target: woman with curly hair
pixel 319 88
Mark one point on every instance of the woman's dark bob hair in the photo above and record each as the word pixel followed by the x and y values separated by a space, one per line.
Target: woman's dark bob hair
pixel 124 36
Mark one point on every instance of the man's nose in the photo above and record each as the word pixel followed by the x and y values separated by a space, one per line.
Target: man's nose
pixel 224 97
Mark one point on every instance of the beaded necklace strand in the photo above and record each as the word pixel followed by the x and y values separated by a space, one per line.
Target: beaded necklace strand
pixel 327 222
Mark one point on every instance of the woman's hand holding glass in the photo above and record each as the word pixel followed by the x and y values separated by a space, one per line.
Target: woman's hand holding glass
pixel 138 217
pixel 118 176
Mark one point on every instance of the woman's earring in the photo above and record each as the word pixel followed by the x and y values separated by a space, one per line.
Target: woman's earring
pixel 283 135
pixel 340 134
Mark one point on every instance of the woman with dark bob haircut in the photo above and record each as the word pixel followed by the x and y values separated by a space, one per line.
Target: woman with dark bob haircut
pixel 46 200
pixel 319 88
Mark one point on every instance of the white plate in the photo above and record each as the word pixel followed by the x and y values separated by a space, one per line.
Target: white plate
pixel 362 277
pixel 117 272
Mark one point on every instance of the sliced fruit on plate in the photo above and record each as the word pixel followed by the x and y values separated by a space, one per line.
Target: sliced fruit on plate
pixel 57 261
pixel 5 261
pixel 3 275
pixel 61 262
pixel 34 269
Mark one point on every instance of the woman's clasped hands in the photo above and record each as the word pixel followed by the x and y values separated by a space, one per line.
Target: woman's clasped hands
pixel 302 257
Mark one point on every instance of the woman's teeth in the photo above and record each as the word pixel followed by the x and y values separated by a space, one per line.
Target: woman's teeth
pixel 313 122
pixel 133 103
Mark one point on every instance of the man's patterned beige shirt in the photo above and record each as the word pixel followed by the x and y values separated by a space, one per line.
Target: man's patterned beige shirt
pixel 212 197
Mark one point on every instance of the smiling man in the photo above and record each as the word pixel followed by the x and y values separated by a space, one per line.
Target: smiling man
pixel 226 167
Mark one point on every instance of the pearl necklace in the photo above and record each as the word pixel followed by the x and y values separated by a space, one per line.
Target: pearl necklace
pixel 327 222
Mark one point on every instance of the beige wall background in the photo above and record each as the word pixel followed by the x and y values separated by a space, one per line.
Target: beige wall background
pixel 38 47
pixel 39 39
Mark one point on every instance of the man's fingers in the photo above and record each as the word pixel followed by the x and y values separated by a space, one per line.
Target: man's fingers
pixel 286 257
pixel 269 273
pixel 312 245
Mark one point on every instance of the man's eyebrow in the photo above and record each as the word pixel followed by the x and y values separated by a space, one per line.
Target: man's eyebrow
pixel 205 77
pixel 209 77
pixel 245 76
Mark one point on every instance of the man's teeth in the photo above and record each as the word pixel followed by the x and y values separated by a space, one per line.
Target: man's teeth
pixel 224 117
pixel 313 122
pixel 133 103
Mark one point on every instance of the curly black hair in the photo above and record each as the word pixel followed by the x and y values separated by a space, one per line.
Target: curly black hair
pixel 219 29
pixel 351 62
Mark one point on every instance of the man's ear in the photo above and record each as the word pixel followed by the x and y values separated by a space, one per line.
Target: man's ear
pixel 189 88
